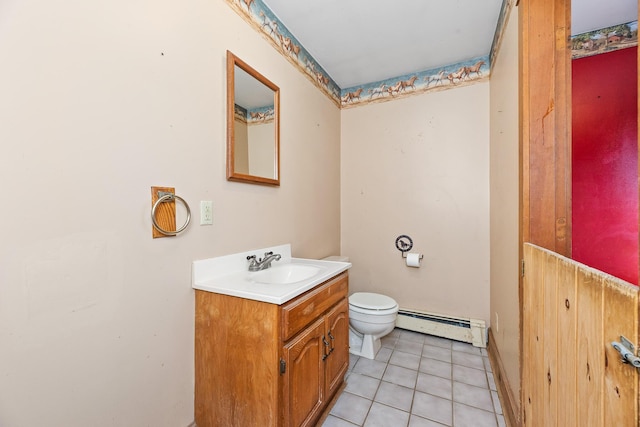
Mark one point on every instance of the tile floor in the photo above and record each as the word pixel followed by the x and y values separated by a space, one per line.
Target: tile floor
pixel 419 380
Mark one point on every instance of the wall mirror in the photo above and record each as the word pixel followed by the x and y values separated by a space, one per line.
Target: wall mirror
pixel 253 125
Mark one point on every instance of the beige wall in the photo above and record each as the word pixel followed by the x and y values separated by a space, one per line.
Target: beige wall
pixel 100 101
pixel 262 156
pixel 504 203
pixel 241 147
pixel 420 166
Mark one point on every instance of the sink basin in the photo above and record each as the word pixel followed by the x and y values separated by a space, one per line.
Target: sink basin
pixel 285 274
pixel 286 279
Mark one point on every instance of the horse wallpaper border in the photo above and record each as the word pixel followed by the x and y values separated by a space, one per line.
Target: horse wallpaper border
pixel 261 18
pixel 474 70
pixel 604 40
pixel 435 79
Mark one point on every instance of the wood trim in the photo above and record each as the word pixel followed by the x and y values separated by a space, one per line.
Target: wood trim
pixel 545 122
pixel 510 404
pixel 545 138
pixel 232 175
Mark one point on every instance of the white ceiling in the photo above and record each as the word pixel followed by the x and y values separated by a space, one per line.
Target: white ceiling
pixel 590 15
pixel 365 41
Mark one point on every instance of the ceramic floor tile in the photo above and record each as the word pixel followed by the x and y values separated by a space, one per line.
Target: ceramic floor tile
pixel 466 348
pixel 384 354
pixel 409 347
pixel 394 395
pixel 362 385
pixel 412 336
pixel 419 381
pixel 472 396
pixel 351 408
pixel 372 368
pixel 492 382
pixel 332 421
pixel 487 364
pixel 388 341
pixel 435 367
pixel 437 341
pixel 466 359
pixel 352 361
pixel 401 376
pixel 435 352
pixel 386 416
pixel 497 407
pixel 406 360
pixel 438 386
pixel 416 421
pixel 466 416
pixel 395 333
pixel 470 376
pixel 432 408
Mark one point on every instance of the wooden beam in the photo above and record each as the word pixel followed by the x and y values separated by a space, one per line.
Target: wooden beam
pixel 545 119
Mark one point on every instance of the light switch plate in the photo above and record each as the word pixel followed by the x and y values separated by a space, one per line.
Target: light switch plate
pixel 206 212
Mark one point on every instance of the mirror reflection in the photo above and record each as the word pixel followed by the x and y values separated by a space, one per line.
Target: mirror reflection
pixel 252 125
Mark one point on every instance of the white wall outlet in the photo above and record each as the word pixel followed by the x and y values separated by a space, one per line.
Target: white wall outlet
pixel 206 212
pixel 497 325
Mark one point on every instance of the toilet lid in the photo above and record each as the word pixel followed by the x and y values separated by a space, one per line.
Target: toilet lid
pixel 372 301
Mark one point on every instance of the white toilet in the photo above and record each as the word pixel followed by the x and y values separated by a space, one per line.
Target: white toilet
pixel 371 317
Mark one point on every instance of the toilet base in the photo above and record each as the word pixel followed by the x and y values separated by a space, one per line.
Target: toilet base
pixel 363 345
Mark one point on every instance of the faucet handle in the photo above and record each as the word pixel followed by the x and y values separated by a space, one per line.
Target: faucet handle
pixel 252 260
pixel 266 254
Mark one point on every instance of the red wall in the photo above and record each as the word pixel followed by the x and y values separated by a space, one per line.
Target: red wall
pixel 605 162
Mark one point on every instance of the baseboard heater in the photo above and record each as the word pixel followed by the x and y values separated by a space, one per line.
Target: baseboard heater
pixel 473 331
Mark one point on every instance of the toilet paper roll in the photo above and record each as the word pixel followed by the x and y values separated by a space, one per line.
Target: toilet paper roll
pixel 413 260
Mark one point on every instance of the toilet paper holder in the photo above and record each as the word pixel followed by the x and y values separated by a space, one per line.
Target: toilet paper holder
pixel 404 244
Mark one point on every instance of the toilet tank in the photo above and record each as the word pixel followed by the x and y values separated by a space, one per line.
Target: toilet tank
pixel 338 258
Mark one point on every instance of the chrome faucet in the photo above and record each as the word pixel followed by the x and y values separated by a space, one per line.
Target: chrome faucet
pixel 264 263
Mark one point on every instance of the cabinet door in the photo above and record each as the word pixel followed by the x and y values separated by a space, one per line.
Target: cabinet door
pixel 304 376
pixel 337 362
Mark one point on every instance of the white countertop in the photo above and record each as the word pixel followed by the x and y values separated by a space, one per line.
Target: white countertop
pixel 229 275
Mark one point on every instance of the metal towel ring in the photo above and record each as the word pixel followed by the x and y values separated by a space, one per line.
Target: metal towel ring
pixel 162 199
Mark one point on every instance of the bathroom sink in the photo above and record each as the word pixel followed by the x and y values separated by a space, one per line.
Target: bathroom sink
pixel 284 280
pixel 285 274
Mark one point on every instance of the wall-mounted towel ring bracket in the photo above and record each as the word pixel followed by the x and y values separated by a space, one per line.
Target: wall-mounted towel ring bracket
pixel 163 212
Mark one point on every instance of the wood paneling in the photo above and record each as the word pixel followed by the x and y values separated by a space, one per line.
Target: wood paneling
pixel 572 376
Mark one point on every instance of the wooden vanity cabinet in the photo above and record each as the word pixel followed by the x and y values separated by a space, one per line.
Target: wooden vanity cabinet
pixel 262 364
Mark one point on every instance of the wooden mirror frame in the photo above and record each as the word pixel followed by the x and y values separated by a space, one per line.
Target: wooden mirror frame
pixel 232 174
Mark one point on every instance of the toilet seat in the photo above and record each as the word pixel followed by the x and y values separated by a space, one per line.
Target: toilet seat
pixel 366 302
